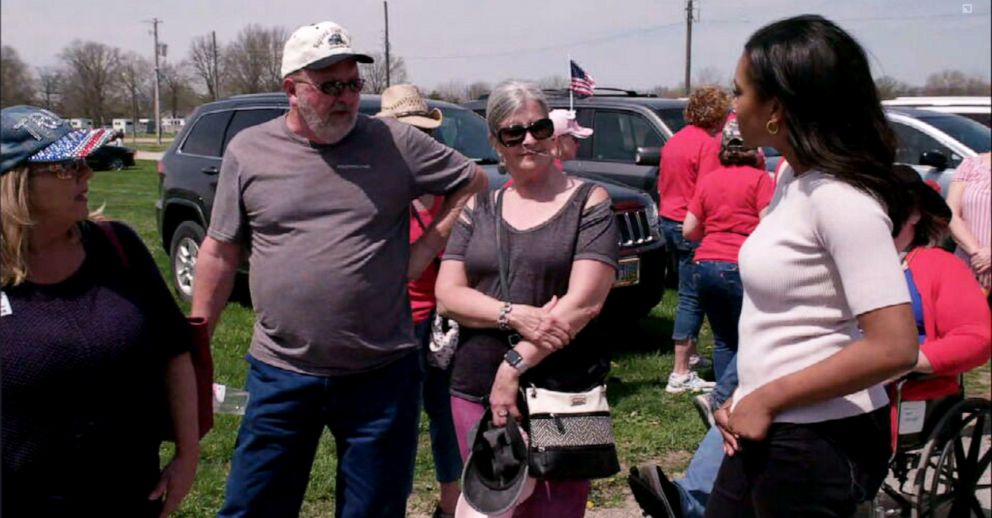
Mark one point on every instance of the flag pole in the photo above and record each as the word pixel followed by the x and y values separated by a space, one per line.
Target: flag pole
pixel 571 100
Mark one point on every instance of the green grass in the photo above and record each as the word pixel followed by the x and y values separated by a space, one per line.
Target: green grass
pixel 650 425
pixel 150 146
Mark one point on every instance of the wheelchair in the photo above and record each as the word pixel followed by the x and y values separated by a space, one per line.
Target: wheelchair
pixel 941 456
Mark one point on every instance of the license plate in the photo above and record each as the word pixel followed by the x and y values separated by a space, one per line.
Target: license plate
pixel 629 272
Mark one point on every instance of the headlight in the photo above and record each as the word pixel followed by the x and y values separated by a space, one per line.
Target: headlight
pixel 652 209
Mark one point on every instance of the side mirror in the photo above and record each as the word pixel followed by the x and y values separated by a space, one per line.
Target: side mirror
pixel 934 159
pixel 648 156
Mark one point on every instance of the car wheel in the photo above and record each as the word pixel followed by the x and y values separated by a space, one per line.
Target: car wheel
pixel 115 164
pixel 182 253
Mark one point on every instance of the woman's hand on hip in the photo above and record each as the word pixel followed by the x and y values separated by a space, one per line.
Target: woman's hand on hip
pixel 722 418
pixel 751 418
pixel 540 327
pixel 503 395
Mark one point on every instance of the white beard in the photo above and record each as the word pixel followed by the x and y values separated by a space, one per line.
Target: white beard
pixel 328 131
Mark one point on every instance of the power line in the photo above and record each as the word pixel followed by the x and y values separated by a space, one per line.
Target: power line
pixel 630 33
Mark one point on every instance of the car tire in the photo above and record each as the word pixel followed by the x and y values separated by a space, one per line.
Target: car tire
pixel 182 257
pixel 115 164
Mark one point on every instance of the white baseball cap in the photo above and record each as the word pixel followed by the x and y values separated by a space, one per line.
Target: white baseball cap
pixel 318 46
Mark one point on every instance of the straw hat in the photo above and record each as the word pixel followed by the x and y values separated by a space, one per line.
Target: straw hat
pixel 404 102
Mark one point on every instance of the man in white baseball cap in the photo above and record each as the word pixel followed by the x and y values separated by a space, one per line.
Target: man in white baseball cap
pixel 320 197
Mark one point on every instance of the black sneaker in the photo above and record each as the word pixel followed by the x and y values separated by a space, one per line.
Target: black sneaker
pixel 657 496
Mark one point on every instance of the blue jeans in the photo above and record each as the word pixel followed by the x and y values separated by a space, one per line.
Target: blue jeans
pixel 437 403
pixel 695 488
pixel 688 315
pixel 720 295
pixel 725 385
pixel 373 417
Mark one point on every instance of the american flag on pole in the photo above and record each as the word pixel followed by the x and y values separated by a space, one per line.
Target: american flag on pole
pixel 582 83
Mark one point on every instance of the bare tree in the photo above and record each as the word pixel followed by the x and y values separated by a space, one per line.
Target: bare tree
pixel 375 73
pixel 254 58
pixel 889 87
pixel 50 81
pixel 478 89
pixel 202 64
pixel 710 76
pixel 955 82
pixel 16 84
pixel 555 82
pixel 92 78
pixel 136 77
pixel 176 87
pixel 453 91
pixel 668 91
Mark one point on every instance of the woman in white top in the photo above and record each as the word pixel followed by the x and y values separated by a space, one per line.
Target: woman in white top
pixel 826 315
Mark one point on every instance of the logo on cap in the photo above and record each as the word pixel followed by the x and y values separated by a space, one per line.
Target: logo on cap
pixel 336 40
pixel 40 124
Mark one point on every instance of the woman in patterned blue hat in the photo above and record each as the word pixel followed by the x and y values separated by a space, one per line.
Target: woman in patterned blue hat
pixel 95 352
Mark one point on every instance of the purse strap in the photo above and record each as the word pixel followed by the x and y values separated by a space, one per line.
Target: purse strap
pixel 502 253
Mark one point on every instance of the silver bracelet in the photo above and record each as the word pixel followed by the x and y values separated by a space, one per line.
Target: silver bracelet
pixel 503 320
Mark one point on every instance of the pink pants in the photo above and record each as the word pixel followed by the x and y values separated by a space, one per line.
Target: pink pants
pixel 557 498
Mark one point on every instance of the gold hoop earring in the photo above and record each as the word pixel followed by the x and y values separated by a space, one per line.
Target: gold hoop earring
pixel 771 127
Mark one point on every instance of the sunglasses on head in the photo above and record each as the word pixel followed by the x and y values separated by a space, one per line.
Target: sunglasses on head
pixel 335 88
pixel 514 135
pixel 66 169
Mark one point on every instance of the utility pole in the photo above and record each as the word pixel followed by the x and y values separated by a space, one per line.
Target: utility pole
pixel 213 35
pixel 385 8
pixel 158 115
pixel 688 43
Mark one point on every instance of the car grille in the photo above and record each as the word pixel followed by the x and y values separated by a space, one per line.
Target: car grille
pixel 634 228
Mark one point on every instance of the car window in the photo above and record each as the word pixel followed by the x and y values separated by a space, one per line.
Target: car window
pixel 467 133
pixel 674 118
pixel 207 135
pixel 584 116
pixel 618 135
pixel 977 137
pixel 913 142
pixel 250 117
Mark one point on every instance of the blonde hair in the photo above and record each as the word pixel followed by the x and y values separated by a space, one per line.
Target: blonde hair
pixel 15 213
pixel 16 223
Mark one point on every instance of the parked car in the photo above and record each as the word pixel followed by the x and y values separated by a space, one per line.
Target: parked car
pixel 629 130
pixel 935 143
pixel 976 108
pixel 188 180
pixel 111 158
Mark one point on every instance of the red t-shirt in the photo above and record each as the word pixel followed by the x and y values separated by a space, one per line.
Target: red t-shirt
pixel 422 300
pixel 727 203
pixel 685 158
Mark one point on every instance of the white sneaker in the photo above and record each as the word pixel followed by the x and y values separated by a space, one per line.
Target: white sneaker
pixel 689 381
pixel 698 362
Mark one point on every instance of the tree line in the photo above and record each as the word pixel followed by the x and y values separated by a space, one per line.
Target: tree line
pixel 102 82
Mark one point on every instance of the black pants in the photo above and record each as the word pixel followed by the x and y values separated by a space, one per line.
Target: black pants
pixel 811 470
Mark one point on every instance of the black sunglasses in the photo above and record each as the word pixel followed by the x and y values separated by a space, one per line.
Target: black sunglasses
pixel 514 135
pixel 335 88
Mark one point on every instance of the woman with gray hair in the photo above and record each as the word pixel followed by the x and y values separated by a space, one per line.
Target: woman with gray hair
pixel 559 245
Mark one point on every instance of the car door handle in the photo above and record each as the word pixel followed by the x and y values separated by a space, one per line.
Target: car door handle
pixel 212 170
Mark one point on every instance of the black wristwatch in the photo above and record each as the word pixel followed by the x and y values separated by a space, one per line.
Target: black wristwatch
pixel 516 361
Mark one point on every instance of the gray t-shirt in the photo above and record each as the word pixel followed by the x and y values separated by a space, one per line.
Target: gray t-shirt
pixel 328 229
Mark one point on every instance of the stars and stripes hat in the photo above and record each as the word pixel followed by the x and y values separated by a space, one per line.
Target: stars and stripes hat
pixel 32 134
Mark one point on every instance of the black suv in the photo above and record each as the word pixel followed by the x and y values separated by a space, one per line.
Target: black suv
pixel 629 130
pixel 188 180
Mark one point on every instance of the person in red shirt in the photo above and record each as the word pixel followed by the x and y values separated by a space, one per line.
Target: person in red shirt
pixel 725 209
pixel 685 158
pixel 405 103
pixel 949 306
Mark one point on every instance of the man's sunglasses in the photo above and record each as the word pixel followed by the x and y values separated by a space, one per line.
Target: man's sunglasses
pixel 66 169
pixel 514 135
pixel 335 88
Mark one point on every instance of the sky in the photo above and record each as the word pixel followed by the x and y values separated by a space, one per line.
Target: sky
pixel 623 43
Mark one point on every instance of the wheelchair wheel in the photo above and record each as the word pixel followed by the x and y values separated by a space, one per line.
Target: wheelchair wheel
pixel 952 477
